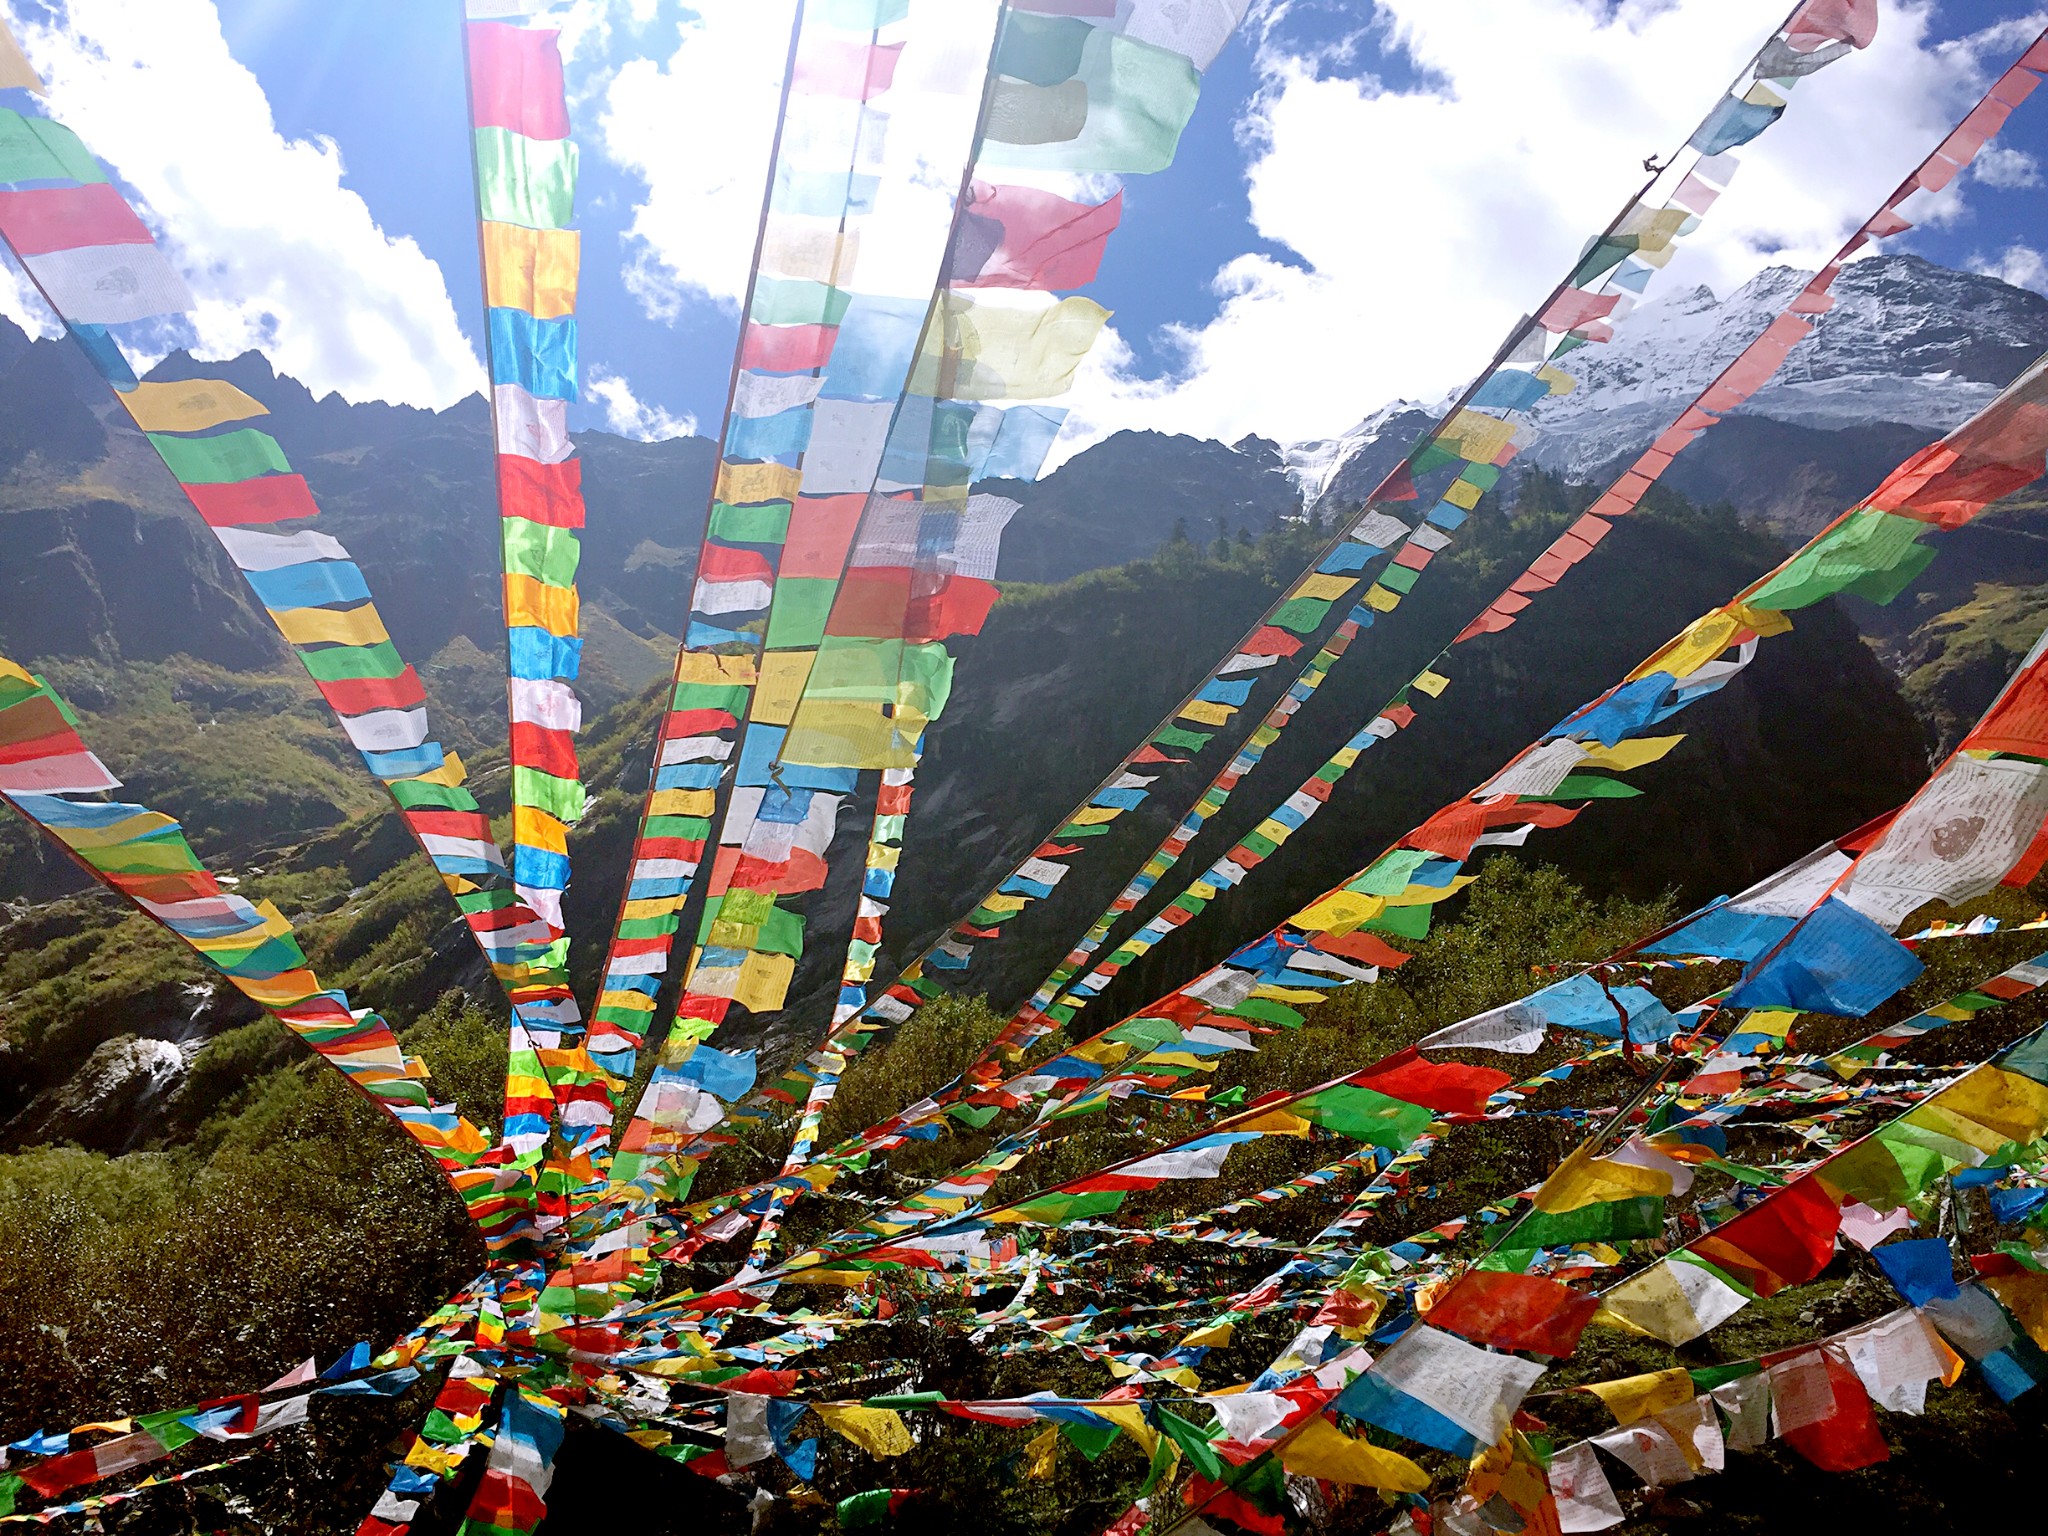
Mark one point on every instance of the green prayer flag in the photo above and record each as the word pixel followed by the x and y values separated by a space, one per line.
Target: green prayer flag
pixel 1091 1440
pixel 561 798
pixel 1193 1442
pixel 730 697
pixel 1302 615
pixel 782 933
pixel 1364 1114
pixel 352 663
pixel 549 555
pixel 525 181
pixel 1407 922
pixel 1060 1207
pixel 1874 555
pixel 1266 1011
pixel 766 523
pixel 1179 736
pixel 412 795
pixel 1041 50
pixel 37 149
pixel 863 1509
pixel 1392 872
pixel 1588 786
pixel 1639 1216
pixel 228 459
pixel 797 301
pixel 1120 110
pixel 800 608
pixel 1399 578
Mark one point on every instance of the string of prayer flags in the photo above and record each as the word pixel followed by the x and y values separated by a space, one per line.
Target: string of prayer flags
pixel 923 558
pixel 825 356
pixel 1788 1236
pixel 1471 438
pixel 1758 362
pixel 526 165
pixel 144 856
pixel 239 481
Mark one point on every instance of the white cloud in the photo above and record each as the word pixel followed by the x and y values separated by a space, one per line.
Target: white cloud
pixel 697 129
pixel 1999 167
pixel 2020 265
pixel 629 416
pixel 1422 219
pixel 282 256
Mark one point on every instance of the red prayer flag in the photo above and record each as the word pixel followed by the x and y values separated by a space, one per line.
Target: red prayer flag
pixel 1512 1311
pixel 515 80
pixel 1439 1085
pixel 787 348
pixel 551 494
pixel 861 71
pixel 1849 1437
pixel 68 218
pixel 873 601
pixel 960 607
pixel 1021 237
pixel 1785 1239
pixel 269 499
pixel 1821 22
pixel 359 695
pixel 1575 308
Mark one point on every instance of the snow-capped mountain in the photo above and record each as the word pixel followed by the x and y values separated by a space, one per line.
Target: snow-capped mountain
pixel 1909 350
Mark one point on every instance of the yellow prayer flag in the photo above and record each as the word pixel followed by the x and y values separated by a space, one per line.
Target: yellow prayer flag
pixel 1463 493
pixel 1637 1397
pixel 1476 436
pixel 1274 1122
pixel 1583 1179
pixel 782 684
pixel 279 991
pixel 331 626
pixel 1320 1449
pixel 191 405
pixel 1987 1108
pixel 704 667
pixel 813 249
pixel 1094 815
pixel 878 1431
pixel 1629 754
pixel 16 73
pixel 1202 712
pixel 1129 1418
pixel 742 484
pixel 1339 912
pixel 534 828
pixel 764 982
pixel 652 906
pixel 1382 599
pixel 449 775
pixel 1042 1454
pixel 1560 382
pixel 1324 588
pixel 535 603
pixel 1431 683
pixel 1765 621
pixel 1702 640
pixel 682 802
pixel 531 269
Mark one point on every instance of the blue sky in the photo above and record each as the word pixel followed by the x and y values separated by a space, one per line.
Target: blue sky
pixel 1371 190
